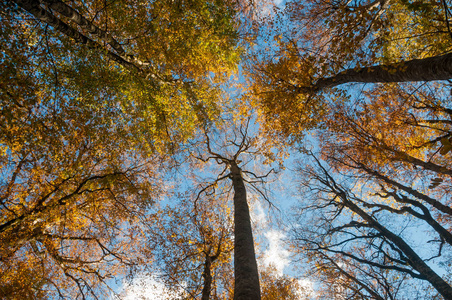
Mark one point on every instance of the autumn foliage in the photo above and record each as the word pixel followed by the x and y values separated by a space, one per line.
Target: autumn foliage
pixel 133 133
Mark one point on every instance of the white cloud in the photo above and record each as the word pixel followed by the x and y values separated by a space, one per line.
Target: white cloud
pixel 278 3
pixel 257 214
pixel 145 287
pixel 276 255
pixel 265 7
pixel 306 290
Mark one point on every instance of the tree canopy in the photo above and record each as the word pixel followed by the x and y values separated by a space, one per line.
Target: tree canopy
pixel 135 137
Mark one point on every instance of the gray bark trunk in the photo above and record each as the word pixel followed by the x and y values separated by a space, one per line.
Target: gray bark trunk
pixel 245 266
pixel 128 61
pixel 87 25
pixel 207 274
pixel 426 69
pixel 72 14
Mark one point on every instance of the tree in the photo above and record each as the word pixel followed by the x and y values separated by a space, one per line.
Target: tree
pixel 62 182
pixel 64 175
pixel 387 149
pixel 246 275
pixel 188 248
pixel 168 93
pixel 191 243
pixel 353 227
pixel 64 196
pixel 275 286
pixel 362 42
pixel 204 23
pixel 395 134
pixel 236 149
pixel 356 35
pixel 82 137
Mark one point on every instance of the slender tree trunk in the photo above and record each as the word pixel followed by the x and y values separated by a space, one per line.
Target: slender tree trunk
pixel 426 69
pixel 207 278
pixel 245 266
pixel 414 260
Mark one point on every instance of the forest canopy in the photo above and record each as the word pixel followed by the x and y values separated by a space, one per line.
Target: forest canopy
pixel 170 139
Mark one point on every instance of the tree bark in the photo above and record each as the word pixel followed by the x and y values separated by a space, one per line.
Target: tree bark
pixel 126 60
pixel 426 69
pixel 85 24
pixel 207 274
pixel 245 267
pixel 33 7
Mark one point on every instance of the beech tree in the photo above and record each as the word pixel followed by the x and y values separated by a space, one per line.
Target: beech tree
pixel 208 24
pixel 66 186
pixel 191 245
pixel 91 100
pixel 322 46
pixel 391 151
pixel 353 228
pixel 396 134
pixel 233 148
pixel 246 275
pixel 158 79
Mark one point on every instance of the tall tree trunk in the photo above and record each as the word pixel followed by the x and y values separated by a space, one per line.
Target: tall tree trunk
pixel 126 60
pixel 67 11
pixel 207 278
pixel 426 69
pixel 245 266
